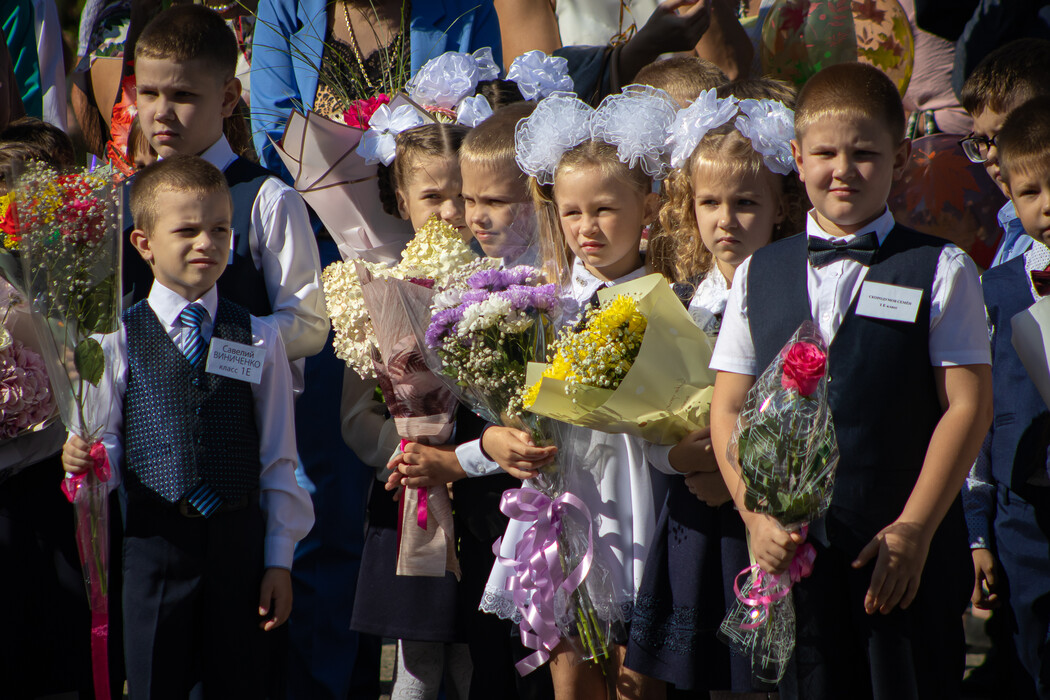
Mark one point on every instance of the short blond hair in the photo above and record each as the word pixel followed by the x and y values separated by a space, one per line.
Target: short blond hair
pixel 850 91
pixel 189 174
pixel 491 143
pixel 682 77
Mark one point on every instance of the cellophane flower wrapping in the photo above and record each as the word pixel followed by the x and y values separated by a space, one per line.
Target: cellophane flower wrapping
pixel 482 336
pixel 70 247
pixel 637 364
pixel 376 310
pixel 785 449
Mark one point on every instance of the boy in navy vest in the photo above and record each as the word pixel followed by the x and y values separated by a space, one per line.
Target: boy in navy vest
pixel 185 61
pixel 1007 498
pixel 910 394
pixel 201 432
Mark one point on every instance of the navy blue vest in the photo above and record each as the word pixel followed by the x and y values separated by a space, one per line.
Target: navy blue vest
pixel 1021 428
pixel 882 389
pixel 183 426
pixel 241 281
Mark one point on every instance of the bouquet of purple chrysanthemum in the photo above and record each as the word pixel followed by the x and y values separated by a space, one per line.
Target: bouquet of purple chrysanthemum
pixel 485 336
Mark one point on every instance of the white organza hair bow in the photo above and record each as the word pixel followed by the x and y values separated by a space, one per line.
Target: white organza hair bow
pixel 560 121
pixel 539 75
pixel 635 122
pixel 444 81
pixel 378 144
pixel 473 110
pixel 768 124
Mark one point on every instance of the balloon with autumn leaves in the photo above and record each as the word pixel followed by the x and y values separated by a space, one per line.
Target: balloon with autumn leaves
pixel 801 37
pixel 943 194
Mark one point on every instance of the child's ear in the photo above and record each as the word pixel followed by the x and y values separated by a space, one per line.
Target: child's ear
pixel 140 240
pixel 231 94
pixel 900 158
pixel 402 204
pixel 652 207
pixel 796 153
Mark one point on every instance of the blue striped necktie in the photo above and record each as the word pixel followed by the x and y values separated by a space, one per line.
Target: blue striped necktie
pixel 193 343
pixel 203 497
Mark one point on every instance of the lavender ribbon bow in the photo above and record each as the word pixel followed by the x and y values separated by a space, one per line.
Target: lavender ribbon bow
pixel 537 565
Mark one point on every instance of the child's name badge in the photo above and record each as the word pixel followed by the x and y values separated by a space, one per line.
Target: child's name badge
pixel 235 360
pixel 888 301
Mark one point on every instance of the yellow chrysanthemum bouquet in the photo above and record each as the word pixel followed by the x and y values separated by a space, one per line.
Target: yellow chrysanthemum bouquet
pixel 636 364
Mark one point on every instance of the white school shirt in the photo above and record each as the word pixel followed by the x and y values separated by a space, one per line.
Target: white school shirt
pixel 958 332
pixel 706 307
pixel 282 245
pixel 287 506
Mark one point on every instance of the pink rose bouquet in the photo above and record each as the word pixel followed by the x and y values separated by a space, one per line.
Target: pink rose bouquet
pixel 785 450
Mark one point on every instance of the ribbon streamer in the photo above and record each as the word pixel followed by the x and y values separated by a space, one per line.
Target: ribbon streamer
pixel 537 565
pixel 768 589
pixel 92 533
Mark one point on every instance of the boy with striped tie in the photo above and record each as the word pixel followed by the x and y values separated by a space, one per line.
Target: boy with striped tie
pixel 201 432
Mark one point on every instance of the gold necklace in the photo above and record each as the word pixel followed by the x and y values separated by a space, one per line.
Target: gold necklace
pixel 397 42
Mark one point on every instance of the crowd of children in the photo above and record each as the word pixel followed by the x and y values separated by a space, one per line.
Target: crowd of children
pixel 686 174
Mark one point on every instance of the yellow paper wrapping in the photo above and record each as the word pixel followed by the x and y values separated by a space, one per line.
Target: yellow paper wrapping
pixel 667 392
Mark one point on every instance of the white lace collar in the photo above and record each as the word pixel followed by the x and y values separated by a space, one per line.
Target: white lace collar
pixel 709 301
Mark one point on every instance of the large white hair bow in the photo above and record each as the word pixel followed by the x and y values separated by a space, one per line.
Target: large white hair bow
pixel 378 144
pixel 770 126
pixel 447 79
pixel 560 121
pixel 767 124
pixel 636 122
pixel 539 75
pixel 473 110
pixel 691 124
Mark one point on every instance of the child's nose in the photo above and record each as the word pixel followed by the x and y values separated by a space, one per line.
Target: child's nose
pixel 452 211
pixel 726 216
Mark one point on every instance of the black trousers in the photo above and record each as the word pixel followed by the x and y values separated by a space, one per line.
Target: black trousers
pixel 842 652
pixel 191 597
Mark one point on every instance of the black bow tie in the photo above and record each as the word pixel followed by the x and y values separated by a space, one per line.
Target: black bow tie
pixel 862 249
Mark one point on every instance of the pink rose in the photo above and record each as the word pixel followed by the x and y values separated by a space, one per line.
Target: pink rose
pixel 804 365
pixel 361 111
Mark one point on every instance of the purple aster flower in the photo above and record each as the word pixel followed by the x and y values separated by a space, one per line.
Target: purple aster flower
pixel 442 325
pixel 475 296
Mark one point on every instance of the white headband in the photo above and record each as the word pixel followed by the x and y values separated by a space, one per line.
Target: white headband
pixel 635 121
pixel 768 124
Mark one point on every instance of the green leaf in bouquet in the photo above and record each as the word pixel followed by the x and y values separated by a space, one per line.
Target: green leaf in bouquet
pixel 100 308
pixel 90 360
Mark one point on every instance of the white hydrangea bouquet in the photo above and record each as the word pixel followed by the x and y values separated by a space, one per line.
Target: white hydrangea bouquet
pixel 376 310
pixel 436 258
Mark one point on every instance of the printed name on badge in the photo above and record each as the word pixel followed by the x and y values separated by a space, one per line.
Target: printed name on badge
pixel 888 301
pixel 235 360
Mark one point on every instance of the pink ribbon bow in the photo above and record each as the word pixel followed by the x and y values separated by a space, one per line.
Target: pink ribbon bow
pixel 537 566
pixel 100 469
pixel 771 588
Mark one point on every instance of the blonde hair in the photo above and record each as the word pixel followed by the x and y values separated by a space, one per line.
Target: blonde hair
pixel 556 255
pixel 676 249
pixel 682 77
pixel 850 90
pixel 491 143
pixel 176 174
